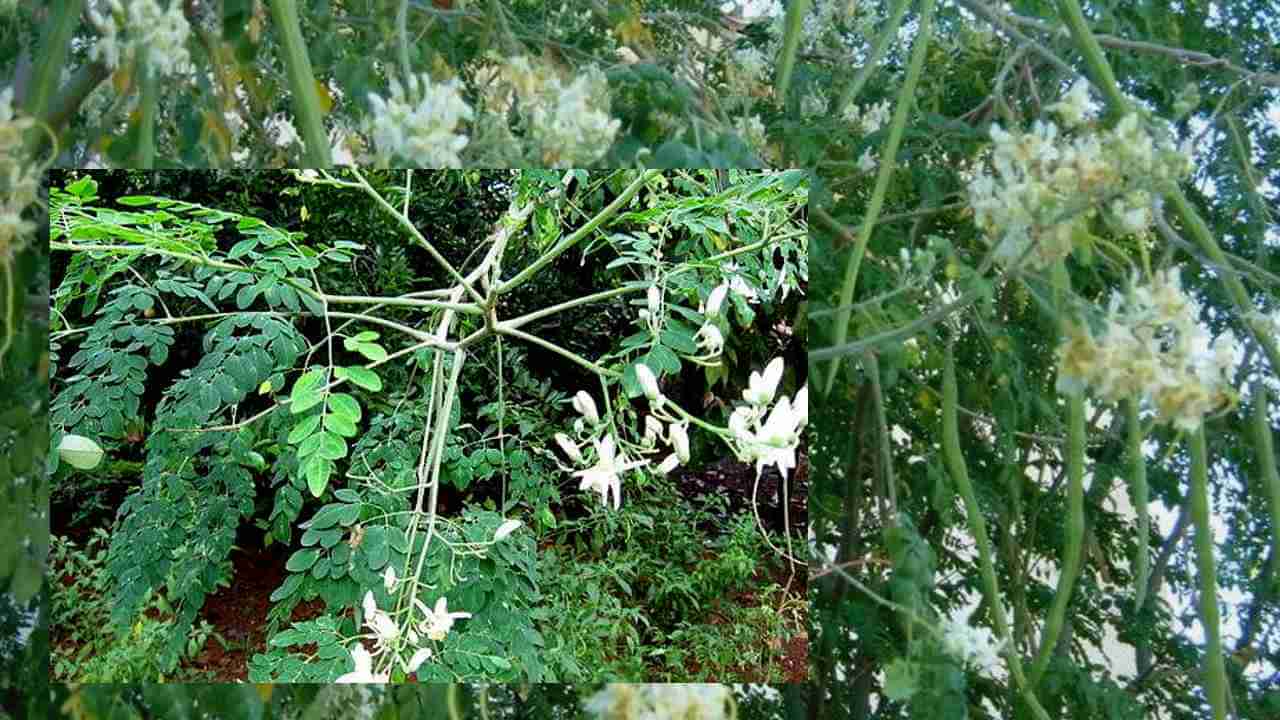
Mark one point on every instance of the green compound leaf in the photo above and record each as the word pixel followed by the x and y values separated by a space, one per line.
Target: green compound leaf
pixel 363 377
pixel 317 470
pixel 345 406
pixel 304 429
pixel 306 391
pixel 302 560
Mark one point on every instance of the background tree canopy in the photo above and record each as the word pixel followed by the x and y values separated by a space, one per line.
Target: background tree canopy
pixel 906 273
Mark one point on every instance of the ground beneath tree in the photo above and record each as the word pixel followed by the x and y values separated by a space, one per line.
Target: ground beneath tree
pixel 238 613
pixel 736 481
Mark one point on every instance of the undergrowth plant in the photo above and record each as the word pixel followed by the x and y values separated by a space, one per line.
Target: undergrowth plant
pixel 356 414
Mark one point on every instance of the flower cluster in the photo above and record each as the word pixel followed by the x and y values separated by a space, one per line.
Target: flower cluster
pixel 419 122
pixel 974 647
pixel 764 436
pixel 161 33
pixel 19 187
pixel 605 476
pixel 387 635
pixel 619 701
pixel 568 123
pixel 19 179
pixel 1152 347
pixel 870 119
pixel 1045 184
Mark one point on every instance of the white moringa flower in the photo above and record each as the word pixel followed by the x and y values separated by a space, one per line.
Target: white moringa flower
pixel 1074 107
pixel 571 123
pixel 419 123
pixel 648 381
pixel 603 477
pixel 867 161
pixel 674 701
pixel 680 441
pixel 761 387
pixel 569 447
pixel 1036 176
pixel 585 406
pixel 652 430
pixel 716 299
pixel 384 628
pixel 1153 347
pixel 710 339
pixel 419 657
pixel 162 33
pixel 668 464
pixel 654 300
pixel 282 127
pixel 800 407
pixel 437 623
pixel 80 452
pixel 775 443
pixel 975 648
pixel 389 579
pixel 364 668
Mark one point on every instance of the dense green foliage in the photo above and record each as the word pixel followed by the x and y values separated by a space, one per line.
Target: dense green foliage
pixel 195 345
pixel 24 491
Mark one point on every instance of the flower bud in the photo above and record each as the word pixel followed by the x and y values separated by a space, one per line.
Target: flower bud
pixel 710 339
pixel 652 429
pixel 583 403
pixel 680 441
pixel 716 299
pixel 762 386
pixel 569 447
pixel 668 464
pixel 506 529
pixel 648 381
pixel 389 579
pixel 800 407
pixel 655 300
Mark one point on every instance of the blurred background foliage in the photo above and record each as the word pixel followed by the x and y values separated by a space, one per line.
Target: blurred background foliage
pixel 976 74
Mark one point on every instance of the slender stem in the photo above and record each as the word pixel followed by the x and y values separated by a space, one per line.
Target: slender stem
pixel 881 46
pixel 1265 451
pixel 146 155
pixel 887 165
pixel 1215 673
pixel 302 83
pixel 1141 499
pixel 1069 568
pixel 402 42
pixel 584 300
pixel 978 526
pixel 64 18
pixel 506 329
pixel 577 235
pixel 796 11
pixel 413 231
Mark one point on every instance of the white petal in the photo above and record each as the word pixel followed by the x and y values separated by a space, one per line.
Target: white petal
pixel 418 658
pixel 506 529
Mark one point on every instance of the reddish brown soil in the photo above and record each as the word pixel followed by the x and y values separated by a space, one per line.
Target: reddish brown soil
pixel 735 481
pixel 239 614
